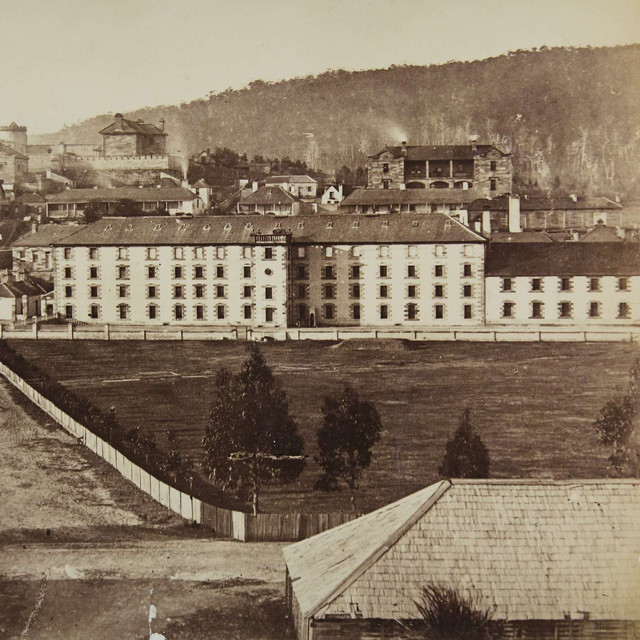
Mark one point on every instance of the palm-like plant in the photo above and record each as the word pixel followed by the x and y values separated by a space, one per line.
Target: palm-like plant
pixel 449 616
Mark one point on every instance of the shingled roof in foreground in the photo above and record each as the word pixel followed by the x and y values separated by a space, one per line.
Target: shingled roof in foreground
pixel 526 549
pixel 239 229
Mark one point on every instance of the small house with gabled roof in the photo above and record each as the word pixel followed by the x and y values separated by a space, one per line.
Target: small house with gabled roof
pixel 553 560
pixel 125 137
pixel 272 200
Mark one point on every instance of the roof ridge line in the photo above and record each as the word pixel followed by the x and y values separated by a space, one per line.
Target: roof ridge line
pixel 380 550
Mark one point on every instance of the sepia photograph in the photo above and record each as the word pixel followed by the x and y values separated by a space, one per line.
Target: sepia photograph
pixel 320 320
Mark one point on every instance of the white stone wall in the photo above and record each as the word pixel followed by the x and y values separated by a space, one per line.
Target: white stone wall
pixel 230 259
pixel 580 298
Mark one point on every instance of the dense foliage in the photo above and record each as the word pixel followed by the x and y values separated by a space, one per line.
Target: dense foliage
pixel 449 616
pixel 251 439
pixel 617 427
pixel 569 115
pixel 350 429
pixel 465 454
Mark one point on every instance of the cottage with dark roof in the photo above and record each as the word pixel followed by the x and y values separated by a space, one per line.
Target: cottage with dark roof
pixel 482 167
pixel 379 201
pixel 23 300
pixel 551 559
pixel 270 200
pixel 172 200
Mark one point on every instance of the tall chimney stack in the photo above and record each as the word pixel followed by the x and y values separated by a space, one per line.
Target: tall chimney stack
pixel 514 215
pixel 162 123
pixel 404 148
pixel 119 121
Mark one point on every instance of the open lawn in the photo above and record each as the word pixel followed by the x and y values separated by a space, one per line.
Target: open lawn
pixel 533 404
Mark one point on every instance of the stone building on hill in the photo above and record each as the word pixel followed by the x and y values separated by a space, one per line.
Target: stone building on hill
pixel 130 138
pixel 482 167
pixel 551 560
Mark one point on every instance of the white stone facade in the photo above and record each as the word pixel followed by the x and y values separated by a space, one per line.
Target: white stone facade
pixel 574 300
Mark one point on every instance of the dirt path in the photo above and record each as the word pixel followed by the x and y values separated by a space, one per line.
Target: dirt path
pixel 83 553
pixel 53 487
pixel 205 560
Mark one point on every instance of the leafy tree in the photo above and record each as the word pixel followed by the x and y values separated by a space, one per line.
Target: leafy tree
pixel 93 211
pixel 345 440
pixel 448 616
pixel 127 207
pixel 251 439
pixel 465 454
pixel 617 426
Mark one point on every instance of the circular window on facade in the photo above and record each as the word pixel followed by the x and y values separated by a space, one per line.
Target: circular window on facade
pixel 268 272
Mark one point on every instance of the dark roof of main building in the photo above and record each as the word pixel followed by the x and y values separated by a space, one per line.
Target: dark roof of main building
pixel 440 152
pixel 240 229
pixel 563 259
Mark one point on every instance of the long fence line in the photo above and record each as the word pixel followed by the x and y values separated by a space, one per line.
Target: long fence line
pixel 285 527
pixel 453 334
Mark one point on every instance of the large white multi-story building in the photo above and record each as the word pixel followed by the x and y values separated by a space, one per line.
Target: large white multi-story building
pixel 257 271
pixel 326 270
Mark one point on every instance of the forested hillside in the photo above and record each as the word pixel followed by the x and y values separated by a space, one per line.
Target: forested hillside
pixel 570 116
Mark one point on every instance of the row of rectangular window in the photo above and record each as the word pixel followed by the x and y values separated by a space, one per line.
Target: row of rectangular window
pixel 329 272
pixel 329 291
pixel 199 291
pixel 411 311
pixel 565 284
pixel 565 310
pixel 123 272
pixel 123 312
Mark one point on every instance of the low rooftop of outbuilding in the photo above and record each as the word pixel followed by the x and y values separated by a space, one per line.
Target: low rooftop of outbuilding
pixel 526 549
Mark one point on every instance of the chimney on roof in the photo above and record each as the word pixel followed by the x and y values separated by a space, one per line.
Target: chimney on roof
pixel 574 197
pixel 513 214
pixel 254 186
pixel 119 121
pixel 34 226
pixel 486 223
pixel 162 124
pixel 473 141
pixel 403 149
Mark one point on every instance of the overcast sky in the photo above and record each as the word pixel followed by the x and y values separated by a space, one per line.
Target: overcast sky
pixel 65 60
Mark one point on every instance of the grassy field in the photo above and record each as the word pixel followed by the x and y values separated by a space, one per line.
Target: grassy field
pixel 533 404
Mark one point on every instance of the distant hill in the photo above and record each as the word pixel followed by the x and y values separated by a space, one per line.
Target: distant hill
pixel 571 116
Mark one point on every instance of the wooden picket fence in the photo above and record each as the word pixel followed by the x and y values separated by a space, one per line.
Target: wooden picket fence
pixel 284 527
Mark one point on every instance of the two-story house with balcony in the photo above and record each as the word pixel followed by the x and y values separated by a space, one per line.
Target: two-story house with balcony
pixel 482 167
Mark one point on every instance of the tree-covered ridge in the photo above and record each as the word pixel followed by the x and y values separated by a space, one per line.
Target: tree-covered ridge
pixel 569 115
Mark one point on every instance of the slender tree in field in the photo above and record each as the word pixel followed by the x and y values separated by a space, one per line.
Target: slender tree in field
pixel 345 441
pixel 617 427
pixel 251 439
pixel 465 454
